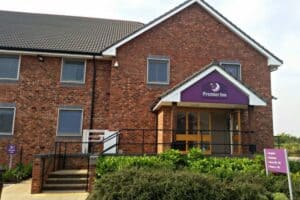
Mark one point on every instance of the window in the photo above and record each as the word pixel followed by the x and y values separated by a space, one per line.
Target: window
pixel 158 70
pixel 7 118
pixel 69 122
pixel 9 67
pixel 73 71
pixel 232 68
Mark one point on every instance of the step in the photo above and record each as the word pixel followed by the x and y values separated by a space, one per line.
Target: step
pixel 68 174
pixel 64 187
pixel 63 180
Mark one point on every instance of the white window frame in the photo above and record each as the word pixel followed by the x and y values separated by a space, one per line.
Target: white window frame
pixel 81 123
pixel 72 82
pixel 19 66
pixel 232 63
pixel 13 123
pixel 168 70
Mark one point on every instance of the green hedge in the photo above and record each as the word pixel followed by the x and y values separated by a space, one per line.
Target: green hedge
pixel 145 184
pixel 237 175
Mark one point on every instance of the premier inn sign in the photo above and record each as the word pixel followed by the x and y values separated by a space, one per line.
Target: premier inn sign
pixel 214 88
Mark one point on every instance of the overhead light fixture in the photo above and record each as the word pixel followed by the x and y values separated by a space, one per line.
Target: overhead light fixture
pixel 40 58
pixel 116 64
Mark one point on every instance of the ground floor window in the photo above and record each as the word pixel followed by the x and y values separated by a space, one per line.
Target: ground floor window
pixel 7 116
pixel 70 121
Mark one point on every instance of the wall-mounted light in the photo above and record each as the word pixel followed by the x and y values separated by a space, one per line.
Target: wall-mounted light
pixel 40 58
pixel 116 64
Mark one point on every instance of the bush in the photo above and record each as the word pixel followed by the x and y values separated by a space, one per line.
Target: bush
pixel 145 184
pixel 182 184
pixel 175 157
pixel 294 166
pixel 20 172
pixel 111 164
pixel 279 196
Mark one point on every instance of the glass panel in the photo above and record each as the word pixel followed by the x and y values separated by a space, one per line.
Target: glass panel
pixel 9 66
pixel 193 144
pixel 69 122
pixel 6 120
pixel 158 71
pixel 204 122
pixel 233 69
pixel 181 123
pixel 192 123
pixel 180 145
pixel 73 71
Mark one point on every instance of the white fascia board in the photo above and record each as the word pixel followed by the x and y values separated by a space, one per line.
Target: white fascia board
pixel 175 96
pixel 272 61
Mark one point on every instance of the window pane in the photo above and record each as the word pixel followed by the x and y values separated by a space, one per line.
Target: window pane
pixel 9 66
pixel 181 123
pixel 69 122
pixel 204 122
pixel 233 69
pixel 6 120
pixel 158 71
pixel 192 123
pixel 73 71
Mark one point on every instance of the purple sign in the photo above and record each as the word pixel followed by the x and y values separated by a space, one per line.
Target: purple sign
pixel 214 88
pixel 276 160
pixel 11 149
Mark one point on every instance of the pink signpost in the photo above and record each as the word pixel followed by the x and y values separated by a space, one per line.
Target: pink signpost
pixel 276 161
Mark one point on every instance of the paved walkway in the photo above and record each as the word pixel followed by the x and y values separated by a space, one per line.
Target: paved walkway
pixel 21 191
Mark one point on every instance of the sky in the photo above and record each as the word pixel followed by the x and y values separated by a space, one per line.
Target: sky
pixel 273 23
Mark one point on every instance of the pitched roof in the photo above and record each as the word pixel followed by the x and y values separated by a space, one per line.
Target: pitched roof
pixel 272 59
pixel 58 33
pixel 172 95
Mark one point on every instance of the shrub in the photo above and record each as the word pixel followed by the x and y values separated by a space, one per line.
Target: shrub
pixel 20 172
pixel 279 196
pixel 174 156
pixel 145 184
pixel 194 154
pixel 168 185
pixel 111 164
pixel 294 166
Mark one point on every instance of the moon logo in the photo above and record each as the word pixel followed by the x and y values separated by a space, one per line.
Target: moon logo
pixel 215 87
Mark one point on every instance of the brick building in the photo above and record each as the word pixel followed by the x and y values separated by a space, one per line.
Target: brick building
pixel 188 78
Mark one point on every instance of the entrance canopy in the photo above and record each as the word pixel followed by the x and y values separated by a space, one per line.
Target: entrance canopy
pixel 211 87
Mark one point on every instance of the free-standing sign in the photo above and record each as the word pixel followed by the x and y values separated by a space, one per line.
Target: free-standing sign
pixel 11 149
pixel 276 161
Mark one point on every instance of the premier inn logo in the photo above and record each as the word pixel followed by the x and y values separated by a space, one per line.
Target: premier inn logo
pixel 214 90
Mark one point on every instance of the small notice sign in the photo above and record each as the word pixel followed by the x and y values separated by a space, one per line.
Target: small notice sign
pixel 11 149
pixel 276 161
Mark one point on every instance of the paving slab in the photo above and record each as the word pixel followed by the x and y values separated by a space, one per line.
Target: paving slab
pixel 21 191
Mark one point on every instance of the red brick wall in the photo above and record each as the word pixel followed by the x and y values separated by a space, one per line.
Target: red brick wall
pixel 38 95
pixel 192 39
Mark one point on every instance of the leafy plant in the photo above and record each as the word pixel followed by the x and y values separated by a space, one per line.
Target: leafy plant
pixel 20 172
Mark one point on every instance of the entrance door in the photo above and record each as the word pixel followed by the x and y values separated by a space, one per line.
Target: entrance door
pixel 221 136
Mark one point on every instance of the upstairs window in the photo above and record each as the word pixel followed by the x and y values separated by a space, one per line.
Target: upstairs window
pixel 158 70
pixel 69 122
pixel 73 71
pixel 9 67
pixel 232 68
pixel 7 117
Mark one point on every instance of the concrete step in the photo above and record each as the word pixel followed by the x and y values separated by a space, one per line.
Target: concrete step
pixel 47 187
pixel 82 173
pixel 63 180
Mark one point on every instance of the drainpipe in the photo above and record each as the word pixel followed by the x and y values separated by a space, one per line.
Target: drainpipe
pixel 93 94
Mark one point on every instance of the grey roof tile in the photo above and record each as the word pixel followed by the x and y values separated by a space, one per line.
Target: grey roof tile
pixel 61 33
